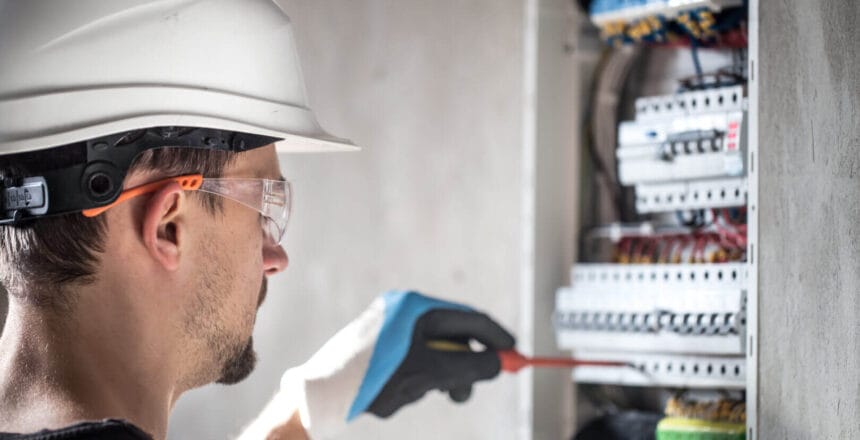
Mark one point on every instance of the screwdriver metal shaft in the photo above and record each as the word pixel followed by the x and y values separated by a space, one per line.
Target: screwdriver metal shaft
pixel 513 361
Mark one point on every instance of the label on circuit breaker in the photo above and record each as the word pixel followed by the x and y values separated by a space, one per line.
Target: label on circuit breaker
pixel 734 164
pixel 733 135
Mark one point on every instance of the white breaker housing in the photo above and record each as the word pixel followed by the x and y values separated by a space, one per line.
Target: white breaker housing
pixel 668 308
pixel 686 151
pixel 679 371
pixel 680 324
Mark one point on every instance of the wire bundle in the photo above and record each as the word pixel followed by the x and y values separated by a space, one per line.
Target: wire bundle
pixel 652 29
pixel 695 27
pixel 712 236
pixel 722 410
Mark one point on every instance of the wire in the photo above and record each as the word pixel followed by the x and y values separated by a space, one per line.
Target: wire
pixel 711 235
pixel 600 120
pixel 597 159
pixel 694 52
pixel 604 117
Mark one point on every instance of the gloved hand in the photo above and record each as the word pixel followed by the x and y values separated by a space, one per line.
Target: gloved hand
pixel 382 361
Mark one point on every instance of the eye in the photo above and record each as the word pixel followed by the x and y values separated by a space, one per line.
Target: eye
pixel 271 231
pixel 275 200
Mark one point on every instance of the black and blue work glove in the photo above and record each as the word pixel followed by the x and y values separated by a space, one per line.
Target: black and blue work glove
pixel 404 345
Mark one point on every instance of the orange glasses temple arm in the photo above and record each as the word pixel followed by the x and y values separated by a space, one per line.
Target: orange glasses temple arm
pixel 190 182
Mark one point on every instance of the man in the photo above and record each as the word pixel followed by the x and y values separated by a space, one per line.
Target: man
pixel 141 211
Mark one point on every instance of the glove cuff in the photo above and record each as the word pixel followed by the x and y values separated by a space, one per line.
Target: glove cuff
pixel 326 385
pixel 293 391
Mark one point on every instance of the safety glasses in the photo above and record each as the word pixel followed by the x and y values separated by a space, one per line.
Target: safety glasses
pixel 271 198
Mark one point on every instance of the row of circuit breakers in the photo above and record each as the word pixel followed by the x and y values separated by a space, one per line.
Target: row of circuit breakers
pixel 682 325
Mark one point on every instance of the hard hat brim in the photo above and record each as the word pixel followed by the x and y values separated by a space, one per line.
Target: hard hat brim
pixel 43 120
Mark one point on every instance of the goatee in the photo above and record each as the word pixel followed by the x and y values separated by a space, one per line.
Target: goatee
pixel 240 365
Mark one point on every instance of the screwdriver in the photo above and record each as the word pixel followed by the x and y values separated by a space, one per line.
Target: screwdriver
pixel 513 361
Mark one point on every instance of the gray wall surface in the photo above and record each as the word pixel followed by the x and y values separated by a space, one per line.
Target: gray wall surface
pixel 432 90
pixel 809 355
pixel 4 304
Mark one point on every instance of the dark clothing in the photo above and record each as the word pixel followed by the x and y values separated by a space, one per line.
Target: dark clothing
pixel 104 430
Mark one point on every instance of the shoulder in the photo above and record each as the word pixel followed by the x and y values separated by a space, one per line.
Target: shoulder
pixel 105 429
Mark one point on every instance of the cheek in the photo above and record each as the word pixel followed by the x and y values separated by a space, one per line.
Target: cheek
pixel 244 288
pixel 245 238
pixel 248 260
pixel 239 254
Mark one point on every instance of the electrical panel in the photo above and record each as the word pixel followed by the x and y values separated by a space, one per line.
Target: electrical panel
pixel 672 302
pixel 665 274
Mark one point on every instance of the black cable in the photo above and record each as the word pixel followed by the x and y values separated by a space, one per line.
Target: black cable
pixel 599 167
pixel 584 4
pixel 591 145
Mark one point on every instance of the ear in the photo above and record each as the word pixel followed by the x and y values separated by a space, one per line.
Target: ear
pixel 162 229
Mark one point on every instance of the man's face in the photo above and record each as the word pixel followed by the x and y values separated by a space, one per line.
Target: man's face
pixel 231 262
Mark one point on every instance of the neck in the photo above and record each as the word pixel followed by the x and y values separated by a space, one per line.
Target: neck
pixel 60 370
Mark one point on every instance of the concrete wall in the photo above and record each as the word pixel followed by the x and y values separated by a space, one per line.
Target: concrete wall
pixel 809 376
pixel 4 304
pixel 432 90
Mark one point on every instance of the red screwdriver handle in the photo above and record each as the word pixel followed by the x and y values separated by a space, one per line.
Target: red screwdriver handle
pixel 512 362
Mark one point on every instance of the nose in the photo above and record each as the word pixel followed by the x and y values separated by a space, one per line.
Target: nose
pixel 275 259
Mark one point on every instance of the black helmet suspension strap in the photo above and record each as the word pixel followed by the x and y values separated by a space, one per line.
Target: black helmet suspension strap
pixel 89 174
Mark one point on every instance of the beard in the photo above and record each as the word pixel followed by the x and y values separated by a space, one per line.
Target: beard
pixel 239 366
pixel 241 363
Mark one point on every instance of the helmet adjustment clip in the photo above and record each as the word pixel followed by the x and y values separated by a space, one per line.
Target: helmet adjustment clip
pixel 29 195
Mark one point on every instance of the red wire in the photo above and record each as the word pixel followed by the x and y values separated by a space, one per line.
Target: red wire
pixel 624 247
pixel 649 248
pixel 739 239
pixel 637 250
pixel 699 249
pixel 665 253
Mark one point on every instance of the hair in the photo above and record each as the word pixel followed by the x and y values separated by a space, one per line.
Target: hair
pixel 41 258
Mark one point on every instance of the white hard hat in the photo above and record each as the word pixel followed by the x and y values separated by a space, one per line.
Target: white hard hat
pixel 77 70
pixel 87 85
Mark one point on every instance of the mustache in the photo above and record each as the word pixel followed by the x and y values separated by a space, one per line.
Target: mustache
pixel 264 289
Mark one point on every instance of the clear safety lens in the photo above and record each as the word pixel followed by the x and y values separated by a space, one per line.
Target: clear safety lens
pixel 271 198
